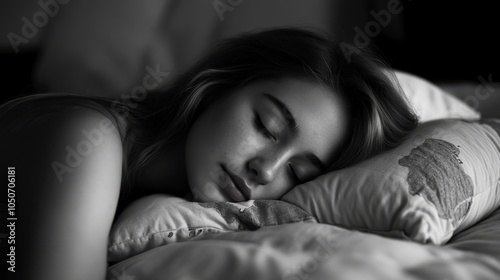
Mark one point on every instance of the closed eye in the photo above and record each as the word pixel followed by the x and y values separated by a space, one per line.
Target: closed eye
pixel 261 128
pixel 294 175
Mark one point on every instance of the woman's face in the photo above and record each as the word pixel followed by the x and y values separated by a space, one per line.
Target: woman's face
pixel 263 139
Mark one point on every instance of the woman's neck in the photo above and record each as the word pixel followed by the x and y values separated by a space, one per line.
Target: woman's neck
pixel 166 173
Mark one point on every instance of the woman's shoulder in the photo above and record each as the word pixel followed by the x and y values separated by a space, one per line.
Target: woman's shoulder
pixel 70 147
pixel 35 121
pixel 28 112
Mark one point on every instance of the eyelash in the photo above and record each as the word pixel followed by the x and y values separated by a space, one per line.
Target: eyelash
pixel 293 174
pixel 262 128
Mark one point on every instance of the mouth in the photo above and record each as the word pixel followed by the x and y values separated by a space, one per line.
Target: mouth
pixel 235 186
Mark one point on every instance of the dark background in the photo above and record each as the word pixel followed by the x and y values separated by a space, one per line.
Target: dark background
pixel 443 41
pixel 448 40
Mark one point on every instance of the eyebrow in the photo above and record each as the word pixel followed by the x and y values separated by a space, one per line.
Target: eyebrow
pixel 292 125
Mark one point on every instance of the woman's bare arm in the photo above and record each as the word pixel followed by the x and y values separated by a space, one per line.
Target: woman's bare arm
pixel 70 187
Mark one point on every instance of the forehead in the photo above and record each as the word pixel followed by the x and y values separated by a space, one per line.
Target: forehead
pixel 319 112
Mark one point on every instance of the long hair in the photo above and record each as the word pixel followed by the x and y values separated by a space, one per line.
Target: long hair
pixel 379 115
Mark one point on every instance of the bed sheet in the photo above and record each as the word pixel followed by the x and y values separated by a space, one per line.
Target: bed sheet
pixel 305 251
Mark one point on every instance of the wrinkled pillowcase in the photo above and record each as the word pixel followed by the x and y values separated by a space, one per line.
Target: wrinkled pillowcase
pixel 442 179
pixel 160 219
pixel 431 102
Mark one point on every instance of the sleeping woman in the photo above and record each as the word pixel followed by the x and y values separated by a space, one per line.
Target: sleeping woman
pixel 258 115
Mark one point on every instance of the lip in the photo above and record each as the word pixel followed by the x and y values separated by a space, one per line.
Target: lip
pixel 236 187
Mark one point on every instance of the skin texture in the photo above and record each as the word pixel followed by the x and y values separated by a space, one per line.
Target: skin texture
pixel 226 137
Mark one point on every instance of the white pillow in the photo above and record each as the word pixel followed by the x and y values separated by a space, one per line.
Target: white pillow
pixel 442 179
pixel 431 102
pixel 160 219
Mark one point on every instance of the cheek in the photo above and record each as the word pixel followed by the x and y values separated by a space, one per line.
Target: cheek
pixel 219 136
pixel 280 185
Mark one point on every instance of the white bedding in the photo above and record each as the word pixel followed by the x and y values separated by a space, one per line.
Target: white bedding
pixel 305 251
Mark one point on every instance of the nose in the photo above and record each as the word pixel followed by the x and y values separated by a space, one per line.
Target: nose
pixel 265 167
